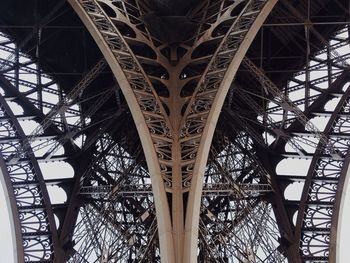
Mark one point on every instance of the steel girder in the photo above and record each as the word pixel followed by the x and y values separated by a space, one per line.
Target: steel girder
pixel 114 210
pixel 36 238
pixel 181 138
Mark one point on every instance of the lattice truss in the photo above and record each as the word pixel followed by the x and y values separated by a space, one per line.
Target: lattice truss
pixel 246 214
pixel 41 123
pixel 118 222
pixel 238 226
pixel 315 99
pixel 20 81
pixel 146 63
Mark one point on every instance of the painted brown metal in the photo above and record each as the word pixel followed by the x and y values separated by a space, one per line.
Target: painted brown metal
pixel 181 143
pixel 205 192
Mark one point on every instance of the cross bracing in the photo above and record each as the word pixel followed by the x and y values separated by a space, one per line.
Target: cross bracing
pixel 177 144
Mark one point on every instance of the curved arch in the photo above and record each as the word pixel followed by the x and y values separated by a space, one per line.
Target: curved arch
pixel 145 88
pixel 193 208
pixel 15 225
pixel 30 183
pixel 320 201
pixel 337 218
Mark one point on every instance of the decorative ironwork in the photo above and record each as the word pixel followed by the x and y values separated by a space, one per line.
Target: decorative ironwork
pixel 322 187
pixel 172 90
pixel 33 204
pixel 106 228
pixel 196 115
pixel 105 14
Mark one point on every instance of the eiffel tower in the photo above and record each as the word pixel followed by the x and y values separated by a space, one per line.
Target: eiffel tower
pixel 175 131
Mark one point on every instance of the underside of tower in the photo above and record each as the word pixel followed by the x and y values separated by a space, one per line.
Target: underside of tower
pixel 175 131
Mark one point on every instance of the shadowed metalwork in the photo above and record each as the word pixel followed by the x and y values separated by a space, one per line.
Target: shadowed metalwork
pixel 186 124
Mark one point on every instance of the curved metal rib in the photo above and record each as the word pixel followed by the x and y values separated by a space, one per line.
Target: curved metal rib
pixel 316 226
pixel 36 218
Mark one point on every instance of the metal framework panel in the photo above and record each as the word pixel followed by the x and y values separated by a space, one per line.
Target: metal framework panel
pixel 176 140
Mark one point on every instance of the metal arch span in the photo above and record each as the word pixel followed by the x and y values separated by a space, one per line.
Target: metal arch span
pixel 176 148
pixel 245 213
pixel 228 48
pixel 37 239
pixel 317 223
pixel 144 104
pixel 12 209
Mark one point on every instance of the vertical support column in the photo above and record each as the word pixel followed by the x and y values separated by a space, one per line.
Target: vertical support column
pixel 176 147
pixel 177 203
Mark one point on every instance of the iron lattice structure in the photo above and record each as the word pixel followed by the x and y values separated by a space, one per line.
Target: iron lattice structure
pixel 182 121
